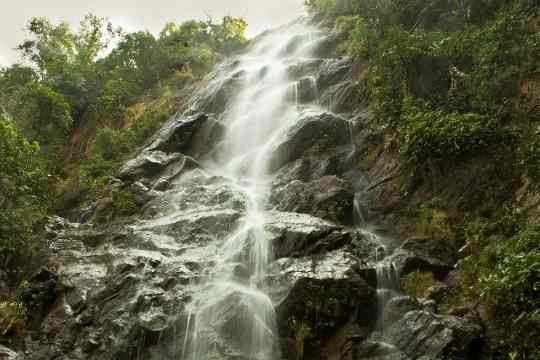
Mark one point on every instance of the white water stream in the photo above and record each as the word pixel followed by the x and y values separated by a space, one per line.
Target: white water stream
pixel 225 307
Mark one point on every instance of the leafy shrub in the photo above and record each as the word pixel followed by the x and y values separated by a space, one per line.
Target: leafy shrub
pixel 23 189
pixel 302 332
pixel 434 223
pixel 109 149
pixel 532 159
pixel 436 135
pixel 513 291
pixel 12 319
pixel 416 283
pixel 502 269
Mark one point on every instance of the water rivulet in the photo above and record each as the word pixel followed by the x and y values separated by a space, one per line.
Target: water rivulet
pixel 258 234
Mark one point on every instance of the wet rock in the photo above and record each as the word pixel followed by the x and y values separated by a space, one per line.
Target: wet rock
pixel 335 265
pixel 147 165
pixel 333 71
pixel 296 44
pixel 375 350
pixel 8 354
pixel 421 333
pixel 316 308
pixel 398 307
pixel 311 167
pixel 323 131
pixel 176 168
pixel 297 235
pixel 425 255
pixel 437 292
pixel 329 197
pixel 326 47
pixel 345 97
pixel 307 90
pixel 162 185
pixel 191 135
pixel 303 68
pixel 429 305
pixel 429 247
pixel 215 95
pixel 39 294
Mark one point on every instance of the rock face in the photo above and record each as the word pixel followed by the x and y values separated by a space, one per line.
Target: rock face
pixel 329 197
pixel 121 290
pixel 424 254
pixel 316 308
pixel 190 135
pixel 8 354
pixel 420 334
pixel 297 234
pixel 147 165
pixel 324 131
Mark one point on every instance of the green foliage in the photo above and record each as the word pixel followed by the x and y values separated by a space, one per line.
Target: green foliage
pixel 434 223
pixel 110 148
pixel 113 146
pixel 436 135
pixel 503 270
pixel 301 333
pixel 513 290
pixel 47 115
pixel 70 85
pixel 416 283
pixel 445 74
pixel 12 319
pixel 532 159
pixel 23 189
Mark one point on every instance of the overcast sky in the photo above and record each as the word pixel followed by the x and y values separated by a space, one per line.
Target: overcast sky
pixel 139 14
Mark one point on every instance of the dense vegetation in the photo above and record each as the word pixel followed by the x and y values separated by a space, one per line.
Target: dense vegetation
pixel 450 80
pixel 454 80
pixel 76 107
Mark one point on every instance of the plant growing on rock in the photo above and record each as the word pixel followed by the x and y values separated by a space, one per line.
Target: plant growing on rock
pixel 12 319
pixel 302 332
pixel 416 283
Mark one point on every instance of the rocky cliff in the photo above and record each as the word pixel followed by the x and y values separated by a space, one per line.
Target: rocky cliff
pixel 336 220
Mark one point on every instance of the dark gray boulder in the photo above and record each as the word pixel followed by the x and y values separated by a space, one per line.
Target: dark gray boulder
pixel 345 97
pixel 397 307
pixel 315 309
pixel 332 72
pixel 376 350
pixel 420 333
pixel 329 198
pixel 325 131
pixel 147 164
pixel 424 254
pixel 191 135
pixel 296 235
pixel 304 67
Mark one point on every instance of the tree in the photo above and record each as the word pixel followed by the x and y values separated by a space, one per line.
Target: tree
pixel 65 60
pixel 23 188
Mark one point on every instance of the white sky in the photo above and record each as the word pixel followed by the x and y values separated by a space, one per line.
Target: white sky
pixel 139 15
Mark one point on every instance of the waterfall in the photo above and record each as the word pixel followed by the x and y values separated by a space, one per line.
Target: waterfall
pixel 232 302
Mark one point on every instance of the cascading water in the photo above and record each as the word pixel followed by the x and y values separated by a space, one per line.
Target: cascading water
pixel 232 303
pixel 388 284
